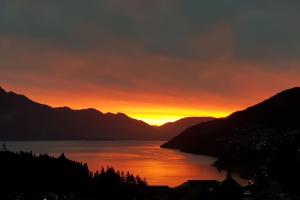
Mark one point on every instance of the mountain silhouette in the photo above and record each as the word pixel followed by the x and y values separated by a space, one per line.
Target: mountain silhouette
pixel 24 119
pixel 170 129
pixel 278 115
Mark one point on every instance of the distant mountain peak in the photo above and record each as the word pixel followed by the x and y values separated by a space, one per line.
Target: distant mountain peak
pixel 119 114
pixel 66 108
pixel 2 90
pixel 92 110
pixel 122 114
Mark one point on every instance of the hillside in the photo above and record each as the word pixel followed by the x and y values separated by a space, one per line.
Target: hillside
pixel 260 123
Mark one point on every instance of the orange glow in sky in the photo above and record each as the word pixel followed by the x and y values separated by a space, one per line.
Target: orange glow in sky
pixel 150 108
pixel 157 118
pixel 157 61
pixel 154 109
pixel 153 112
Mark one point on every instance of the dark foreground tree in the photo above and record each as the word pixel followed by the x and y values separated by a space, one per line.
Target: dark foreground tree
pixel 27 172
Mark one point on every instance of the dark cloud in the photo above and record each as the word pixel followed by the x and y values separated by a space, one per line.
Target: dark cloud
pixel 169 47
pixel 74 24
pixel 269 33
pixel 261 29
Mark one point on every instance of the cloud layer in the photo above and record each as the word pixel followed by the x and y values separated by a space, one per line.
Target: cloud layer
pixel 129 55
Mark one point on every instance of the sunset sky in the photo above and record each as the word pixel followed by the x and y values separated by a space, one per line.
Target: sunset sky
pixel 155 60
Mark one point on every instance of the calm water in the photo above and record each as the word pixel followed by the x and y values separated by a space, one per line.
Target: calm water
pixel 146 158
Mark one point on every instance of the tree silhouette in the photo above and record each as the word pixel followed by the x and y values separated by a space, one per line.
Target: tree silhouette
pixel 21 171
pixel 230 189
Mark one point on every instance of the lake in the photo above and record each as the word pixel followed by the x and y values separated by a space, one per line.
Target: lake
pixel 145 158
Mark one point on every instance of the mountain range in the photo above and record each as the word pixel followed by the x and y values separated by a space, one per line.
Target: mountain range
pixel 24 119
pixel 265 125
